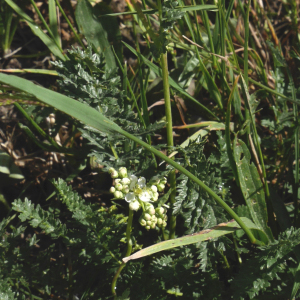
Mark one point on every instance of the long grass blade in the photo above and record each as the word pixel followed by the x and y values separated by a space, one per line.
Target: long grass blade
pixel 215 232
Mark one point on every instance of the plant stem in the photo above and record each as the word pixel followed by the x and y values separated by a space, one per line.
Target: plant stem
pixel 170 142
pixel 168 112
pixel 128 252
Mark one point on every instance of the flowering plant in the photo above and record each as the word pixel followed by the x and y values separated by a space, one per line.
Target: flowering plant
pixel 139 194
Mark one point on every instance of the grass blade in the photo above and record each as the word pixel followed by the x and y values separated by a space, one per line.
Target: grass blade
pixel 53 22
pixel 37 31
pixel 251 186
pixel 173 83
pixel 215 232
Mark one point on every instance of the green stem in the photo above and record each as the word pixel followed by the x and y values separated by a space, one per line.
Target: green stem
pixel 128 252
pixel 197 181
pixel 246 21
pixel 168 112
pixel 236 249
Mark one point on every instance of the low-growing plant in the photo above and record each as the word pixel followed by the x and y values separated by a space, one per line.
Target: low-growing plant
pixel 201 219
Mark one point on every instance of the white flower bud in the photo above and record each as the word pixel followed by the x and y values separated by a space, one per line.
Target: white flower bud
pixel 134 205
pixel 148 206
pixel 114 174
pixel 159 221
pixel 151 211
pixel 164 180
pixel 148 223
pixel 118 180
pixel 147 217
pixel 123 172
pixel 155 196
pixel 152 226
pixel 164 224
pixel 118 195
pixel 125 189
pixel 112 190
pixel 147 227
pixel 154 188
pixel 153 219
pixel 143 222
pixel 160 187
pixel 111 170
pixel 119 186
pixel 126 181
pixel 159 211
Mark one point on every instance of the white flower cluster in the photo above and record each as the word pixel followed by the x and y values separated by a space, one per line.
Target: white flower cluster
pixel 135 190
pixel 152 217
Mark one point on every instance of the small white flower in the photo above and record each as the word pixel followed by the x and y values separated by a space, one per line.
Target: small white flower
pixel 123 172
pixel 145 196
pixel 134 205
pixel 142 182
pixel 133 181
pixel 130 197
pixel 112 190
pixel 118 180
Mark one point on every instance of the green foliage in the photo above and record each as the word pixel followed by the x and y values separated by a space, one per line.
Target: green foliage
pixel 268 270
pixel 195 206
pixel 71 233
pixel 71 248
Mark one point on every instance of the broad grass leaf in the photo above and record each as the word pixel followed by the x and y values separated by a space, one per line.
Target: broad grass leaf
pixel 204 235
pixel 80 111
